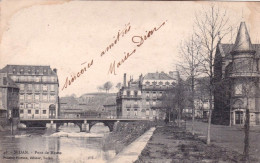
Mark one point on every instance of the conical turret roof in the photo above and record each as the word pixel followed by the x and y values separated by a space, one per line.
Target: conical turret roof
pixel 243 42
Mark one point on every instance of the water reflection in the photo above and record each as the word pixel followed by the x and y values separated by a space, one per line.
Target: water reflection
pixel 39 144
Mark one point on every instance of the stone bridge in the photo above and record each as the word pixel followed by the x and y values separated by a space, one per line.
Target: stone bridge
pixel 84 124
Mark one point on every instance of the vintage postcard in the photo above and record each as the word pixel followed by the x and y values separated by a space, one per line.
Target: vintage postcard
pixel 129 81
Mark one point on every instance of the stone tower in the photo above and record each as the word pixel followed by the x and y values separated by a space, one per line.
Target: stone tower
pixel 245 79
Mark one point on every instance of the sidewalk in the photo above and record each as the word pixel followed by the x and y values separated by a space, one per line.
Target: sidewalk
pixel 132 151
pixel 229 137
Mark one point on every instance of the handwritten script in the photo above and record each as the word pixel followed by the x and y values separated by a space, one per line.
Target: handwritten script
pixel 137 40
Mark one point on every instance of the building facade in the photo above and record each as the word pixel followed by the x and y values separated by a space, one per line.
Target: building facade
pixel 39 90
pixel 143 98
pixel 237 78
pixel 9 100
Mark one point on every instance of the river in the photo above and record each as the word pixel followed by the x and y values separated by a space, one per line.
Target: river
pixel 41 146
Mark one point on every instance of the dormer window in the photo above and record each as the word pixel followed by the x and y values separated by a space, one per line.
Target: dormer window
pixel 160 83
pixel 21 71
pixel 14 71
pixel 29 71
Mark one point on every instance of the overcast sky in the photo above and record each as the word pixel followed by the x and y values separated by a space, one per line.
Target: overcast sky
pixel 67 34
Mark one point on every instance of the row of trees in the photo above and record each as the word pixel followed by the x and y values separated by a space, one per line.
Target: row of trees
pixel 107 86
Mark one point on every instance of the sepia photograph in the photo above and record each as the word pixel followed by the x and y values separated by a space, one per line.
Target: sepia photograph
pixel 129 81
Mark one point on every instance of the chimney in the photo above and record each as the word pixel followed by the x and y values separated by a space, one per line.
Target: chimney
pixel 55 70
pixel 124 79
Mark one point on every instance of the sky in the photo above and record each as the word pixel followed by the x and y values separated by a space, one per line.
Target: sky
pixel 66 34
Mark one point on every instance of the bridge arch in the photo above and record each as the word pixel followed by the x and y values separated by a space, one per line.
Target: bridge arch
pixel 109 124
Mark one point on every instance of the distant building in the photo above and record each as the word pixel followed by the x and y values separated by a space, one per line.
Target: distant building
pixel 9 99
pixel 143 98
pixel 88 105
pixel 39 90
pixel 109 110
pixel 70 108
pixel 237 76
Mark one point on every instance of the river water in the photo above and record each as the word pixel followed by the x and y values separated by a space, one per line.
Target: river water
pixel 41 146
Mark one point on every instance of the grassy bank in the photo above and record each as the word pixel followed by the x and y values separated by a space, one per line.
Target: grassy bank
pixel 172 144
pixel 125 133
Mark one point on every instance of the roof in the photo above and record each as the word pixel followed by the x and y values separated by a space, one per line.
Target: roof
pixel 157 76
pixel 6 81
pixel 28 69
pixel 243 42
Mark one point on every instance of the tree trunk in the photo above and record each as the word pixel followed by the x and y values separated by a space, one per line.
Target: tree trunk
pixel 246 139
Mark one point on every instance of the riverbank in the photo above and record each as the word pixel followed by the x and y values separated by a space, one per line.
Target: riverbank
pixel 125 133
pixel 173 144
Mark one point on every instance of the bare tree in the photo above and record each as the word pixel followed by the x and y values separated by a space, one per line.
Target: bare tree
pixel 190 53
pixel 107 86
pixel 211 25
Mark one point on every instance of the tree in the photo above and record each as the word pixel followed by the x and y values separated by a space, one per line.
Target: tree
pixel 107 86
pixel 190 53
pixel 118 86
pixel 211 26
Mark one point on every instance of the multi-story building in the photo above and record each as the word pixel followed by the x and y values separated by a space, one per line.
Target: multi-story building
pixel 237 77
pixel 143 98
pixel 39 90
pixel 9 100
pixel 129 99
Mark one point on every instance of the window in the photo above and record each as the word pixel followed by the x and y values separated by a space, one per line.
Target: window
pixel 21 105
pixel 238 89
pixel 28 105
pixel 37 78
pixel 53 79
pixel 52 97
pixel 147 112
pixel 52 87
pixel 147 83
pixel 154 103
pixel 44 112
pixel 37 87
pixel 29 111
pixel 154 94
pixel 36 111
pixel 36 106
pixel 44 78
pixel 147 103
pixel 21 86
pixel 29 97
pixel 37 97
pixel 135 112
pixel 135 93
pixel 21 97
pixel 21 71
pixel 160 83
pixel 44 87
pixel 128 93
pixel 29 87
pixel 44 97
pixel 21 111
